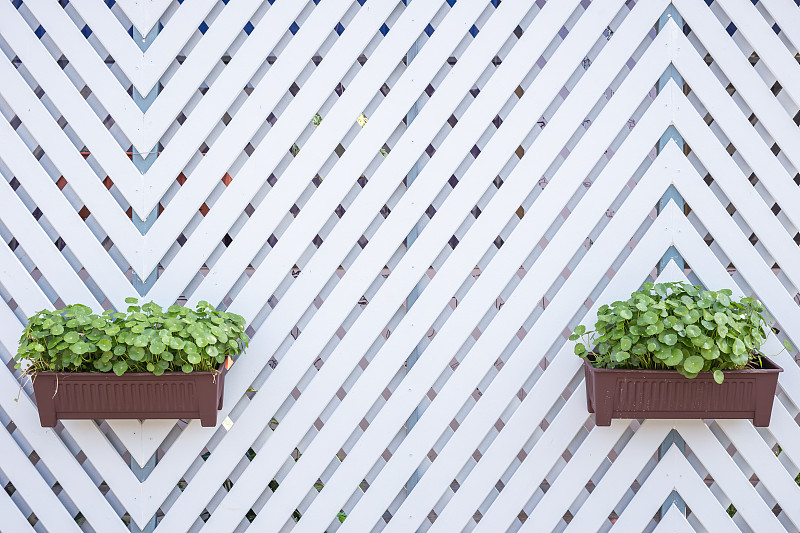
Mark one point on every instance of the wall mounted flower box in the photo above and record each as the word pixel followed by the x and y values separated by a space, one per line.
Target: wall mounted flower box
pixel 147 362
pixel 633 393
pixel 674 350
pixel 93 395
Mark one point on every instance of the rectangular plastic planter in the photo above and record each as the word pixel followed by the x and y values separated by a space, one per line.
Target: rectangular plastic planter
pixel 617 393
pixel 91 395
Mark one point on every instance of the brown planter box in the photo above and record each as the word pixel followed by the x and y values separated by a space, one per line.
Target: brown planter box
pixel 617 393
pixel 92 395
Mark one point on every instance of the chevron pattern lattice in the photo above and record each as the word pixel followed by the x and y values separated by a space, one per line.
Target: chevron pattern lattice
pixel 280 148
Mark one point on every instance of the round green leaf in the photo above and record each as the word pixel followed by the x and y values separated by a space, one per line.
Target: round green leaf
pixel 120 367
pixel 650 317
pixel 719 376
pixel 157 347
pixel 580 349
pixel 136 353
pixel 720 318
pixel 693 364
pixel 79 348
pixel 71 337
pixel 710 353
pixel 675 357
pixel 626 313
pixel 104 344
pixel 670 339
pixel 625 343
pixel 194 358
pixel 620 355
pixel 580 330
pixel 187 368
pixel 212 351
pixel 693 331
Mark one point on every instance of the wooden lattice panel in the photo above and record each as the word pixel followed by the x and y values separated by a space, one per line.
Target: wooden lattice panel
pixel 281 147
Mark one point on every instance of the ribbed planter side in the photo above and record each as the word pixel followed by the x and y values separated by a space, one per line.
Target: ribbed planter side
pixel 89 395
pixel 616 393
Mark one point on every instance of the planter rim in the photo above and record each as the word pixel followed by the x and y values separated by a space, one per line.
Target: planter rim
pixel 220 370
pixel 769 367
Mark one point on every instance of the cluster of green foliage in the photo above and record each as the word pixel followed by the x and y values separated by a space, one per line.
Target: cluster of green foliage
pixel 677 326
pixel 145 339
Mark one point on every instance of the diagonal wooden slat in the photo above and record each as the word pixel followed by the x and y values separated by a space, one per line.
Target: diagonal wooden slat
pixel 104 85
pixel 674 472
pixel 443 337
pixel 49 447
pixel 766 44
pixel 144 68
pixel 674 522
pixel 269 91
pixel 307 162
pixel 144 13
pixel 279 378
pixel 61 215
pixel 236 74
pixel 33 488
pixel 12 516
pixel 61 150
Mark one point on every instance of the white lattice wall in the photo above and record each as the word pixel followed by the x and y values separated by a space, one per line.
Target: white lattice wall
pixel 538 178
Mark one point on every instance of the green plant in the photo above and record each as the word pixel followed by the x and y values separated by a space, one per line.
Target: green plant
pixel 677 326
pixel 145 339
